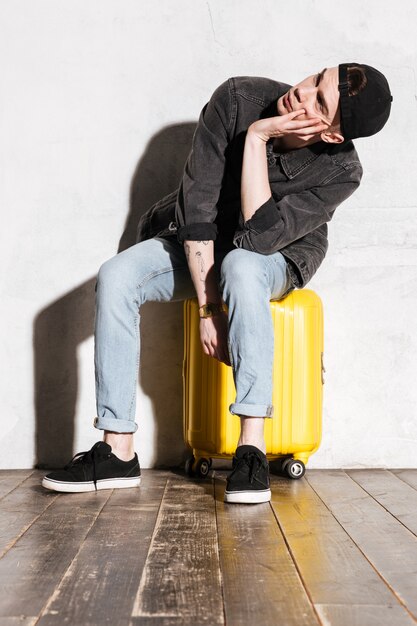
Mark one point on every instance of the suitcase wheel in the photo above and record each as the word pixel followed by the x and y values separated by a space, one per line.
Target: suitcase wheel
pixel 294 468
pixel 189 466
pixel 200 468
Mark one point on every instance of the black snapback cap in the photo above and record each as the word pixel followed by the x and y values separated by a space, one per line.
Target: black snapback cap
pixel 367 112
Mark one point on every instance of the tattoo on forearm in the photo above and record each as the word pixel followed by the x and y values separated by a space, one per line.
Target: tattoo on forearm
pixel 202 268
pixel 202 272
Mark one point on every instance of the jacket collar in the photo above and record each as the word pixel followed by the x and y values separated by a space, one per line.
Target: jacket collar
pixel 295 161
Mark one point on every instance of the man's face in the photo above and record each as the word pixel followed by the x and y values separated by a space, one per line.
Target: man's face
pixel 317 94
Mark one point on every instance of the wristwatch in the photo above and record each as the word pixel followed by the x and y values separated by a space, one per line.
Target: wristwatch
pixel 210 309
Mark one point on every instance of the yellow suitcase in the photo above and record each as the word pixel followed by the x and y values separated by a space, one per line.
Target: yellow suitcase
pixel 294 432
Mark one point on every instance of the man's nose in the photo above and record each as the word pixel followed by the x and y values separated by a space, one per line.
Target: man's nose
pixel 303 94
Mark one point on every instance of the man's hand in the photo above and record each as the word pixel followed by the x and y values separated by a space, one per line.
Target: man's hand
pixel 255 187
pixel 213 335
pixel 281 125
pixel 213 330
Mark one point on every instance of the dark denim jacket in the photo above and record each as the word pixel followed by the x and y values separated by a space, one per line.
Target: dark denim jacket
pixel 307 184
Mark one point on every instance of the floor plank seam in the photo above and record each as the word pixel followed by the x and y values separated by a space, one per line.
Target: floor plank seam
pixel 17 486
pixel 391 471
pixel 57 589
pixel 26 528
pixel 218 546
pixel 398 598
pixel 382 505
pixel 136 604
pixel 290 552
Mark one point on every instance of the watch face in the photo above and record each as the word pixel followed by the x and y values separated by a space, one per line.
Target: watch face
pixel 206 311
pixel 209 310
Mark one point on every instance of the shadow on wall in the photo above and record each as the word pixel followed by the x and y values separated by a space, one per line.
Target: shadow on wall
pixel 67 322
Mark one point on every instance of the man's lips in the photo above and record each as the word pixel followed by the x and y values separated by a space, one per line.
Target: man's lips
pixel 287 102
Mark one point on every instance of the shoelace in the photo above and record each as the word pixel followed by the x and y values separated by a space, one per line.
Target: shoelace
pixel 252 460
pixel 89 456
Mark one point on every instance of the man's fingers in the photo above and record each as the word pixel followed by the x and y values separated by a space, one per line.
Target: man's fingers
pixel 216 353
pixel 296 113
pixel 305 123
pixel 311 130
pixel 220 355
pixel 307 127
pixel 214 339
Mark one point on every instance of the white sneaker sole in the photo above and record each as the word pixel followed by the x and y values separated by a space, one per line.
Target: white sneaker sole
pixel 248 497
pixel 82 487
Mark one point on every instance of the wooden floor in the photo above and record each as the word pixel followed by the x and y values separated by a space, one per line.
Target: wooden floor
pixel 334 548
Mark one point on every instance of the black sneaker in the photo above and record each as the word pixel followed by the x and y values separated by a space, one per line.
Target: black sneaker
pixel 96 469
pixel 249 481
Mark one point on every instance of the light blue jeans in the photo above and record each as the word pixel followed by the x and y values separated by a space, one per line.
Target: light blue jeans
pixel 157 270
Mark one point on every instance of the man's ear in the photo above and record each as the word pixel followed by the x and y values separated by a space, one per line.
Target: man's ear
pixel 331 136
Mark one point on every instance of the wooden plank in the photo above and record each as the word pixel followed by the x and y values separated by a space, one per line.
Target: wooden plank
pixel 261 584
pixel 31 570
pixel 21 507
pixel 391 492
pixel 333 569
pixel 387 544
pixel 101 584
pixel 409 476
pixel 10 479
pixel 363 615
pixel 164 621
pixel 181 578
pixel 17 621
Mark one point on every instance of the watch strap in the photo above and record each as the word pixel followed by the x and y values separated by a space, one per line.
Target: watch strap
pixel 211 308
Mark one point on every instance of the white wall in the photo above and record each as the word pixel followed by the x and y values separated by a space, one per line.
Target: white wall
pixel 94 98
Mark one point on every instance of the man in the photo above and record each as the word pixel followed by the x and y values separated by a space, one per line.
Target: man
pixel 268 167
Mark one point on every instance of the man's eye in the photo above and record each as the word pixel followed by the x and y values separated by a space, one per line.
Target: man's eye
pixel 320 101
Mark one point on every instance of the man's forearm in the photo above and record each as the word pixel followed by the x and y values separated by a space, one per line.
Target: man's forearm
pixel 200 257
pixel 255 188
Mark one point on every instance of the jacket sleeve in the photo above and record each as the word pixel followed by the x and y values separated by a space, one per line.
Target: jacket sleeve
pixel 276 224
pixel 195 209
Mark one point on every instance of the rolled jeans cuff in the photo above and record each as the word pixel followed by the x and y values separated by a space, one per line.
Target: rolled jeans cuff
pixel 252 410
pixel 115 425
